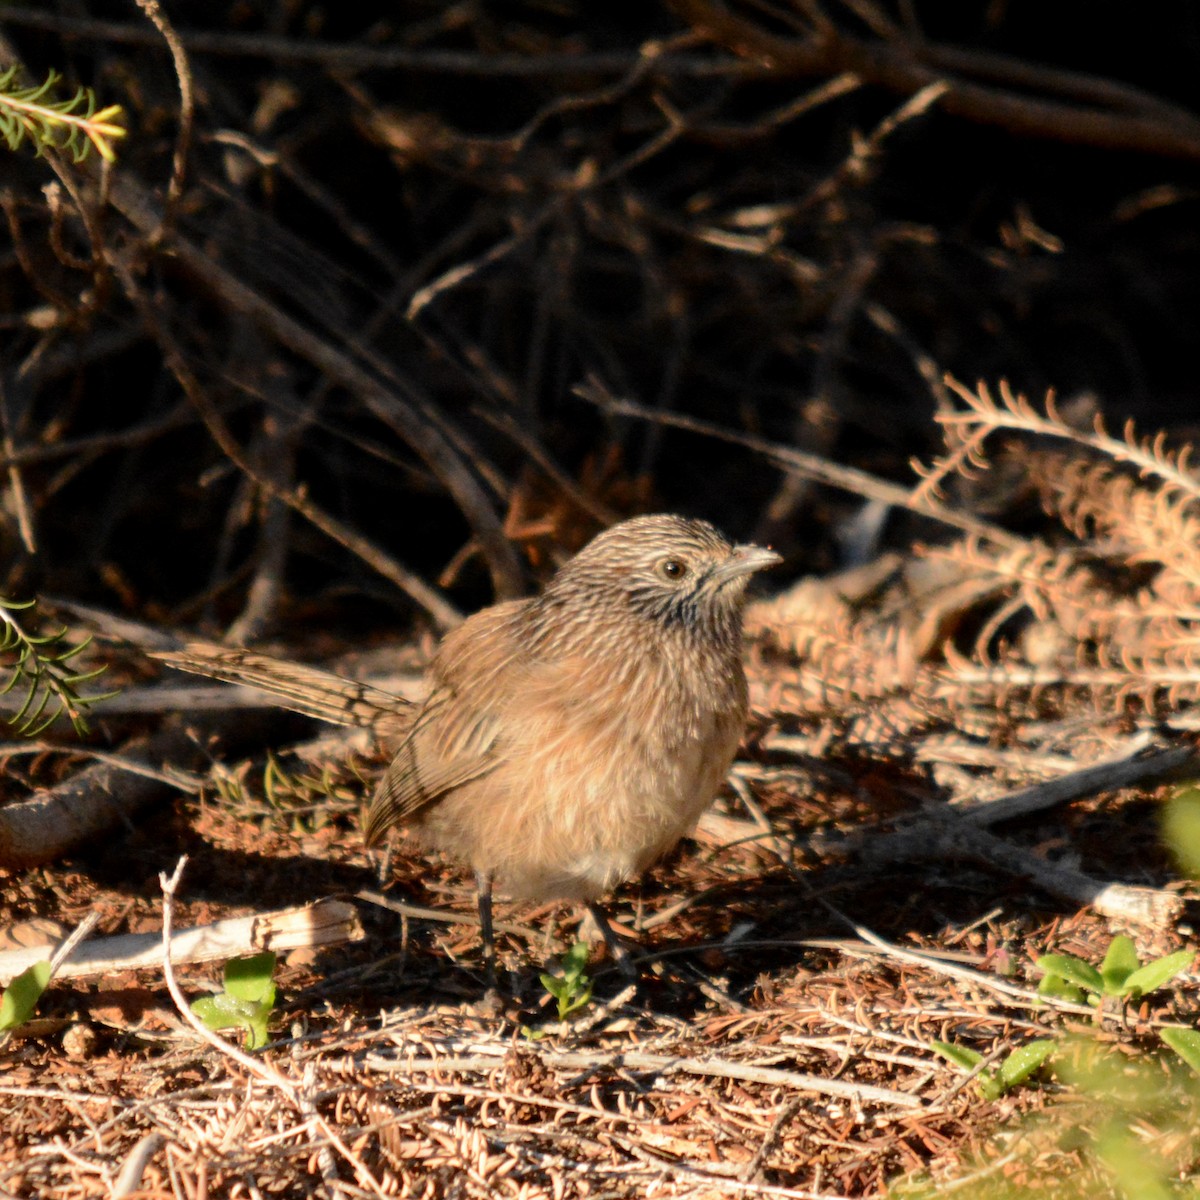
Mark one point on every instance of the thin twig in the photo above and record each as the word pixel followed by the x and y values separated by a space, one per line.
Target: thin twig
pixel 848 479
pixel 660 1064
pixel 256 1067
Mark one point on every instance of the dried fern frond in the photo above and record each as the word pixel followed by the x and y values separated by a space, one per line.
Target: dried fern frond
pixel 856 676
pixel 42 666
pixel 964 457
pixel 1055 584
pixel 1150 456
pixel 1127 515
pixel 1023 630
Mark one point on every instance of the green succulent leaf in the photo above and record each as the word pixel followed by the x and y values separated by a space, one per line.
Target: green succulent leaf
pixel 224 1011
pixel 1154 974
pixel 572 989
pixel 250 978
pixel 574 962
pixel 20 998
pixel 575 1002
pixel 553 984
pixel 1060 989
pixel 1119 963
pixel 1024 1061
pixel 1185 1043
pixel 961 1056
pixel 247 1001
pixel 1072 969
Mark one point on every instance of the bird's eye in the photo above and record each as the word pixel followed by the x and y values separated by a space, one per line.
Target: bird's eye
pixel 672 568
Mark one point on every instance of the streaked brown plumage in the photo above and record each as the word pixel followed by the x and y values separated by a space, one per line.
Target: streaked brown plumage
pixel 568 740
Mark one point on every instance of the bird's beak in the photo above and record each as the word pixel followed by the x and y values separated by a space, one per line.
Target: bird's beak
pixel 745 560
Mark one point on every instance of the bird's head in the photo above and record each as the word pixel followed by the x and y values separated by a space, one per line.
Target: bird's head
pixel 671 570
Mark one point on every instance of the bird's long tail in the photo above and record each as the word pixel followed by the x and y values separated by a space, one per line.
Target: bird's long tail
pixel 296 686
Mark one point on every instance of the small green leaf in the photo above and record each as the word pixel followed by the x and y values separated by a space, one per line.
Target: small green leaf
pixel 574 962
pixel 221 1010
pixel 249 978
pixel 555 986
pixel 1181 827
pixel 1154 974
pixel 1119 963
pixel 574 1002
pixel 572 989
pixel 22 994
pixel 1073 969
pixel 1185 1043
pixel 990 1087
pixel 1023 1061
pixel 247 1001
pixel 961 1056
pixel 229 1012
pixel 1058 987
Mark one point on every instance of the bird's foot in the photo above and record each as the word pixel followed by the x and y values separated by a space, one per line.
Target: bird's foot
pixel 596 923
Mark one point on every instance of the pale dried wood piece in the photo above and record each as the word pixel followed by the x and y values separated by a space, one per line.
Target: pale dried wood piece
pixel 157 699
pixel 955 831
pixel 323 923
pixel 194 698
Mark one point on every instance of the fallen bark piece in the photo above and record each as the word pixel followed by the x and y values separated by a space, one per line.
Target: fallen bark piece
pixel 1140 761
pixel 51 824
pixel 950 839
pixel 108 793
pixel 322 923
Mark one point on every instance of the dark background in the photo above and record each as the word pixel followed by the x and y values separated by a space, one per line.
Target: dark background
pixel 668 233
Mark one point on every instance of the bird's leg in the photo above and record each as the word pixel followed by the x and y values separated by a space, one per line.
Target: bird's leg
pixel 616 946
pixel 483 887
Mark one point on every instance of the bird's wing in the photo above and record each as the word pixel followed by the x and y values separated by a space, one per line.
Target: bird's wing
pixel 297 687
pixel 449 744
pixel 457 736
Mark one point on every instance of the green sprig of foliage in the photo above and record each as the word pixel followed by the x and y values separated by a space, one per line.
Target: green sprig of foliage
pixel 568 983
pixel 1016 1068
pixel 306 801
pixel 1122 977
pixel 42 666
pixel 247 1001
pixel 76 126
pixel 573 988
pixel 1121 1128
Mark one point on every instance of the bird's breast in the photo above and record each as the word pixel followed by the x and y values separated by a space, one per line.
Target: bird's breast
pixel 602 768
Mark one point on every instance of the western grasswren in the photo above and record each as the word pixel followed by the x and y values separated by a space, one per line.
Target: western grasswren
pixel 570 739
